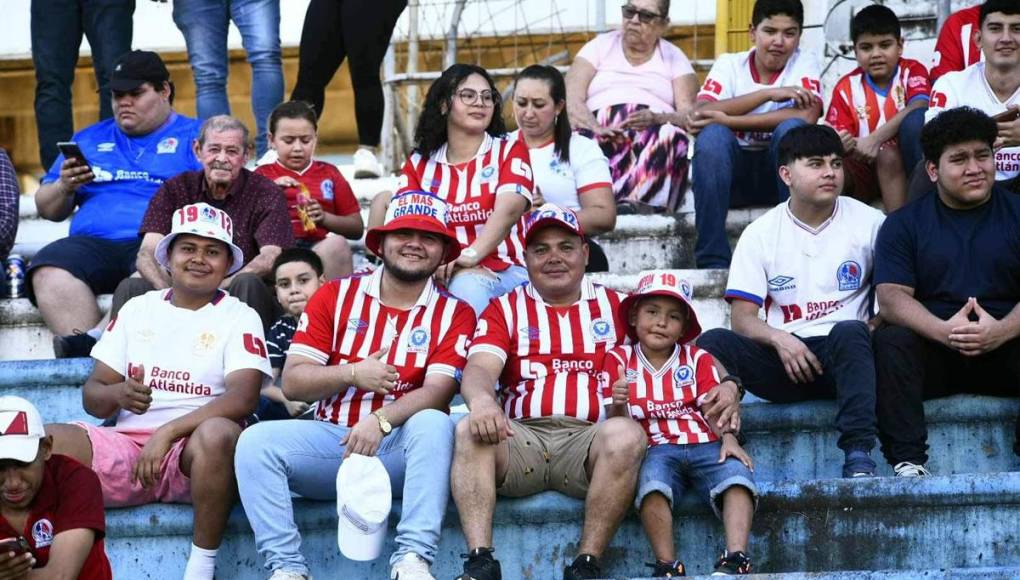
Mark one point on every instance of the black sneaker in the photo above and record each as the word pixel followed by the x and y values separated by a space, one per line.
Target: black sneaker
pixel 75 345
pixel 584 567
pixel 673 569
pixel 480 565
pixel 732 564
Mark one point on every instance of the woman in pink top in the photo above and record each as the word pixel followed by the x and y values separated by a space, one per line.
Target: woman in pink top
pixel 632 90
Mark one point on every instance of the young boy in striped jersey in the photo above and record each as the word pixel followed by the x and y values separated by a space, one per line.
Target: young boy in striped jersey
pixel 878 108
pixel 660 381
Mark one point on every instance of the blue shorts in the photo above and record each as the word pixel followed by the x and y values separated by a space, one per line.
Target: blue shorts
pixel 101 264
pixel 673 469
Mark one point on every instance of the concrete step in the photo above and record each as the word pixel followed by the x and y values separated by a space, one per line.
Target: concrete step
pixel 913 529
pixel 967 434
pixel 23 336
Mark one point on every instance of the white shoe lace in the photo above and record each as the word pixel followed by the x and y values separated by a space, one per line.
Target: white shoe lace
pixel 411 567
pixel 908 469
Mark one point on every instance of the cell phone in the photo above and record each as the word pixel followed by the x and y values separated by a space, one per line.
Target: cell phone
pixel 17 545
pixel 70 150
pixel 1010 114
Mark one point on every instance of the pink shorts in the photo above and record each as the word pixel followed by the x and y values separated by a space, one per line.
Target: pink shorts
pixel 114 454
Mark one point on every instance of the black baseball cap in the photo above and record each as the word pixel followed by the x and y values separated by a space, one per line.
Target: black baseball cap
pixel 137 67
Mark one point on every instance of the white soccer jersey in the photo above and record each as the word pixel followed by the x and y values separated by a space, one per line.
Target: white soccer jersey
pixel 186 354
pixel 734 75
pixel 563 183
pixel 808 279
pixel 970 87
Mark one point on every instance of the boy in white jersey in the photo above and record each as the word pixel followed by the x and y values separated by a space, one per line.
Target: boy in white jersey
pixel 178 369
pixel 809 262
pixel 992 86
pixel 748 102
pixel 661 382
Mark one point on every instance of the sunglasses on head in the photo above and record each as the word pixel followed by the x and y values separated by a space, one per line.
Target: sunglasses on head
pixel 646 17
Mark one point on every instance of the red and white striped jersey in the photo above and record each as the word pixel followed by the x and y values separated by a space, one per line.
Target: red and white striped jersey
pixel 859 107
pixel 955 49
pixel 666 402
pixel 551 354
pixel 345 322
pixel 501 166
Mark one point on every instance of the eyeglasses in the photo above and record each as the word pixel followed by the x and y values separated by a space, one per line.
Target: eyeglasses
pixel 470 97
pixel 646 17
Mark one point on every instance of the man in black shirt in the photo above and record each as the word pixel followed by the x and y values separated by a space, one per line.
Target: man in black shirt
pixel 947 274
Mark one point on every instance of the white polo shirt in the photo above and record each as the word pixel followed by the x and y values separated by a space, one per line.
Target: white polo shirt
pixel 808 279
pixel 186 354
pixel 970 87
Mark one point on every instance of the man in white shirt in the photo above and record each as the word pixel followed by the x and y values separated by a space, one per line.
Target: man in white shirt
pixel 992 85
pixel 748 102
pixel 809 262
pixel 179 369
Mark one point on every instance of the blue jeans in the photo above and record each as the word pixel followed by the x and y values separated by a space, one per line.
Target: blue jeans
pixel 57 27
pixel 726 175
pixel 478 289
pixel 204 24
pixel 909 138
pixel 673 469
pixel 304 456
pixel 849 375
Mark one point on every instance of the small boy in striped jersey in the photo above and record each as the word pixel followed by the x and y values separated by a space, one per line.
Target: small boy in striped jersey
pixel 660 381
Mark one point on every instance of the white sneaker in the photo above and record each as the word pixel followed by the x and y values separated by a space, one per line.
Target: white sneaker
pixel 279 574
pixel 366 165
pixel 411 567
pixel 908 469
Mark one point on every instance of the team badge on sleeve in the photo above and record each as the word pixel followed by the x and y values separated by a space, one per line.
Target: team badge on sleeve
pixel 849 275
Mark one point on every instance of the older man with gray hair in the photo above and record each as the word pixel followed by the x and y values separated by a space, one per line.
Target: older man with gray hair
pixel 261 224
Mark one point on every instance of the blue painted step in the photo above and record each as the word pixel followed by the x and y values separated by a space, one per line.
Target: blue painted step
pixel 958 521
pixel 968 434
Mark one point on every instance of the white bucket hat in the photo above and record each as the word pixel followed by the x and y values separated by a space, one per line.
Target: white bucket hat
pixel 363 502
pixel 204 220
pixel 21 429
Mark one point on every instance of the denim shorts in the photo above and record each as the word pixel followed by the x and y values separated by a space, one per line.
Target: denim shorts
pixel 673 469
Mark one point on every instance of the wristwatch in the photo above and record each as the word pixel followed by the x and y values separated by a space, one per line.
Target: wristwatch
pixel 384 423
pixel 736 381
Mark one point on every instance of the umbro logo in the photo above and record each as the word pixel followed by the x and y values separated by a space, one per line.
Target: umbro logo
pixel 781 283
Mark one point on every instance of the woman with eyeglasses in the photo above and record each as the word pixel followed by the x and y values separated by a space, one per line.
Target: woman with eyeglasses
pixel 570 169
pixel 632 90
pixel 463 155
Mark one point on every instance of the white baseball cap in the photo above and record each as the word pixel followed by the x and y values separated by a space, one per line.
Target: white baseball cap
pixel 363 502
pixel 21 429
pixel 204 220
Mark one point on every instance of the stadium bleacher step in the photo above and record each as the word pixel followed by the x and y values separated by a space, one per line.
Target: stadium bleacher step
pixel 808 519
pixel 959 522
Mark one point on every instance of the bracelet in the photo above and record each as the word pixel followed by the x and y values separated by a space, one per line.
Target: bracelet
pixel 736 381
pixel 354 374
